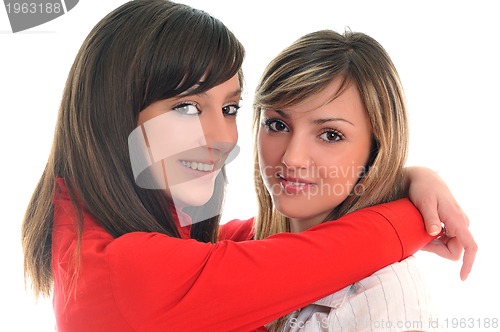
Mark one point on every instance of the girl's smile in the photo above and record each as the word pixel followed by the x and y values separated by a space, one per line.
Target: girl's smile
pixel 207 124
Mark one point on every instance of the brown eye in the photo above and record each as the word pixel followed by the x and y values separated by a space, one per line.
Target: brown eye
pixel 275 125
pixel 230 109
pixel 331 136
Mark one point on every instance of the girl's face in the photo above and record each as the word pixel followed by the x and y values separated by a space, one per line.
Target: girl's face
pixel 186 141
pixel 311 155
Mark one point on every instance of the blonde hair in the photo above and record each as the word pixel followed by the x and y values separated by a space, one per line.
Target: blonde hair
pixel 307 67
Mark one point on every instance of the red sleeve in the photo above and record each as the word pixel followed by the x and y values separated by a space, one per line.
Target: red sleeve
pixel 237 230
pixel 163 283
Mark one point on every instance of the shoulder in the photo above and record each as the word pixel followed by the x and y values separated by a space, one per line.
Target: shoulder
pixel 392 283
pixel 395 295
pixel 237 230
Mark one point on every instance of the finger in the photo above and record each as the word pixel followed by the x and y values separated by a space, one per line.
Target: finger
pixel 470 251
pixel 453 217
pixel 429 212
pixel 451 248
pixel 468 261
pixel 454 247
pixel 442 247
pixel 436 247
pixel 467 221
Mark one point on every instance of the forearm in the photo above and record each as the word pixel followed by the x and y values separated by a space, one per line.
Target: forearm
pixel 255 282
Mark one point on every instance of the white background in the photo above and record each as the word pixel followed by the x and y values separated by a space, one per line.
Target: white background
pixel 447 55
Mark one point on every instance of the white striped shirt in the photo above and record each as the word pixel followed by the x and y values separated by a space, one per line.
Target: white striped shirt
pixel 392 299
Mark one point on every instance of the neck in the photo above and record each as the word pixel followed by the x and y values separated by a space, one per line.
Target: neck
pixel 298 225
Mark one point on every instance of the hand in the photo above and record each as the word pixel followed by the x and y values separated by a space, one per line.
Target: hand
pixel 433 199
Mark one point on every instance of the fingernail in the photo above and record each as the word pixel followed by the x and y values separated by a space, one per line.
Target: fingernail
pixel 434 230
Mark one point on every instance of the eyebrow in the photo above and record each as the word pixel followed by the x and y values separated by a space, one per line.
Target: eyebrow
pixel 281 113
pixel 322 121
pixel 315 121
pixel 233 94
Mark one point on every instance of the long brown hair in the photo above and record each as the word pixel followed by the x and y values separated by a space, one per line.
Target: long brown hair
pixel 142 52
pixel 307 67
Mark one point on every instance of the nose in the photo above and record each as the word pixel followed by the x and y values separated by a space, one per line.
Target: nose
pixel 220 132
pixel 297 153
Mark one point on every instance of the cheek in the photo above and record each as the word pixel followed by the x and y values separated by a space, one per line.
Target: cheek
pixel 268 149
pixel 343 169
pixel 164 139
pixel 268 155
pixel 168 134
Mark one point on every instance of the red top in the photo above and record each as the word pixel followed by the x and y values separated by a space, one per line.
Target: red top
pixel 153 282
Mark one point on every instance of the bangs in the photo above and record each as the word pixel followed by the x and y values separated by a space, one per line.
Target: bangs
pixel 300 71
pixel 293 88
pixel 206 54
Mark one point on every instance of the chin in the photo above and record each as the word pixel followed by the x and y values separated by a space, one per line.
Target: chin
pixel 291 211
pixel 192 193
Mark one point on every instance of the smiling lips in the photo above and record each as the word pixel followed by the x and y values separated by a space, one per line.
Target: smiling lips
pixel 294 185
pixel 198 166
